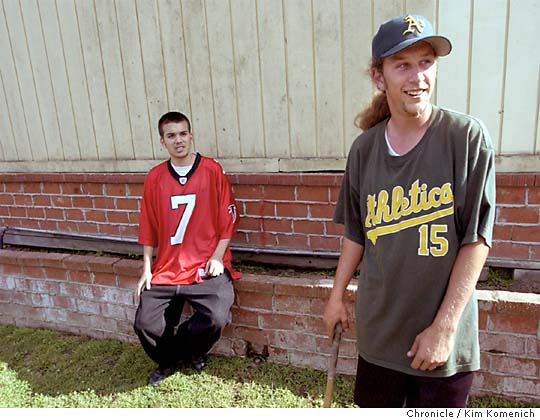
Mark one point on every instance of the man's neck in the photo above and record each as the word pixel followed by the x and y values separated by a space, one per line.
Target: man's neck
pixel 405 132
pixel 186 161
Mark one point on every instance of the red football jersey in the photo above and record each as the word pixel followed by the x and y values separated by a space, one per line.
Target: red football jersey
pixel 185 217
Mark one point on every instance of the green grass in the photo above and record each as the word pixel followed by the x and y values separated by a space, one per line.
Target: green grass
pixel 42 368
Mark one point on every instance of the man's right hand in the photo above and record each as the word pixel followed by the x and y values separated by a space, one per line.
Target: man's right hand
pixel 335 312
pixel 144 282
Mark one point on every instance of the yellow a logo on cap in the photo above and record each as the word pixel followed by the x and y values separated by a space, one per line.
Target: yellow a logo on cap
pixel 413 23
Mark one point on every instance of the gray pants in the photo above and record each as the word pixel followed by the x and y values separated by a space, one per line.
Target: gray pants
pixel 157 322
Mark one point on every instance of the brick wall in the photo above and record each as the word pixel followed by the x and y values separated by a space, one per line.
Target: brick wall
pixel 277 317
pixel 278 211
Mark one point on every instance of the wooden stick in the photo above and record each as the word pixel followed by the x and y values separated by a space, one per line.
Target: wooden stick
pixel 332 363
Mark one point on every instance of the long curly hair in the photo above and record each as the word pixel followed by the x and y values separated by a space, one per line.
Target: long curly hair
pixel 378 109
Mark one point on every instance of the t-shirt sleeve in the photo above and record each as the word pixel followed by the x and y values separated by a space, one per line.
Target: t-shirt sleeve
pixel 347 210
pixel 478 213
pixel 228 213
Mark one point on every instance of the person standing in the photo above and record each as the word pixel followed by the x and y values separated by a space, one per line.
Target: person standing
pixel 189 214
pixel 418 204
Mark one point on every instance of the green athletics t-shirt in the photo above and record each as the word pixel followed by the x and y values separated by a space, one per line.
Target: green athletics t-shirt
pixel 412 213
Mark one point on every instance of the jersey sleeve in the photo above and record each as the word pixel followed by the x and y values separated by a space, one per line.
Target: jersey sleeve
pixel 148 227
pixel 228 212
pixel 478 213
pixel 347 210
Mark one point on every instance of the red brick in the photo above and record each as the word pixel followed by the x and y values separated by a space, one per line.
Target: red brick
pixel 294 341
pixel 104 203
pixel 116 190
pixel 518 215
pixel 36 212
pixel 107 279
pixel 127 203
pixel 54 214
pixel 51 188
pixel 509 250
pixel 82 202
pixel 255 283
pixel 74 214
pixel 514 366
pixel 325 243
pixel 61 201
pixel 278 193
pixel 22 200
pixel 48 225
pixel 321 211
pixel 134 217
pixel 276 225
pixel 117 217
pixel 17 212
pixel 12 269
pixel 313 194
pixel 127 282
pixel 296 241
pixel 533 195
pixel 482 320
pixel 55 273
pixel 515 180
pixel 334 194
pixel 71 188
pixel 291 210
pixel 92 189
pixel 127 231
pixel 511 195
pixel 13 187
pixel 334 229
pixel 80 276
pixel 533 347
pixel 297 304
pixel 95 216
pixel 247 191
pixel 534 251
pixel 261 238
pixel 254 300
pixel 502 232
pixel 517 324
pixel 107 228
pixel 135 190
pixel 274 321
pixel 6 199
pixel 245 317
pixel 322 179
pixel 308 227
pixel 260 208
pixel 33 272
pixel 127 267
pixel 522 386
pixel 32 187
pixel 41 200
pixel 250 223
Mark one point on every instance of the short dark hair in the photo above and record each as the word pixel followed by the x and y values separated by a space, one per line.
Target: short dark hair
pixel 172 117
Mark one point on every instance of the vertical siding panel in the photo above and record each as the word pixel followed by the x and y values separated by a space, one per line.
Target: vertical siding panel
pixel 521 86
pixel 357 87
pixel 328 72
pixel 32 124
pixel 96 80
pixel 301 83
pixel 152 60
pixel 76 74
pixel 8 151
pixel 42 79
pixel 59 79
pixel 223 78
pixel 487 69
pixel 426 8
pixel 145 133
pixel 200 82
pixel 244 31
pixel 14 109
pixel 453 79
pixel 114 78
pixel 274 83
pixel 384 10
pixel 174 55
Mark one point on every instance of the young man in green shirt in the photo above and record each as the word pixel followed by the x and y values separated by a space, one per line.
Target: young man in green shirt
pixel 418 204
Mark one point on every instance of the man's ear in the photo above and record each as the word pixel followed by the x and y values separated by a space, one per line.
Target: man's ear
pixel 378 79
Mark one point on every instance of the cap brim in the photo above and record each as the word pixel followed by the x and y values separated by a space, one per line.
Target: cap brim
pixel 441 45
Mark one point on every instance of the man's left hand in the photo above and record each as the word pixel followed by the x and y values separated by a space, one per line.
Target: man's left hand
pixel 431 348
pixel 214 267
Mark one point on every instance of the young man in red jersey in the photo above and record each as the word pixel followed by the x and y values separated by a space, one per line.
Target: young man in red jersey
pixel 189 213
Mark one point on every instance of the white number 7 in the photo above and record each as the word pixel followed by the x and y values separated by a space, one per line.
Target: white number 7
pixel 189 201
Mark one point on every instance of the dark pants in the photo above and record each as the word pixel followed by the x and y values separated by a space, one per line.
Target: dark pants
pixel 378 387
pixel 157 321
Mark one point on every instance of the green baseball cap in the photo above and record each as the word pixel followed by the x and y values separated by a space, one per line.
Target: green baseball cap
pixel 401 32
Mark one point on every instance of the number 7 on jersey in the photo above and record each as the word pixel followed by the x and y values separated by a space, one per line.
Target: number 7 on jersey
pixel 176 201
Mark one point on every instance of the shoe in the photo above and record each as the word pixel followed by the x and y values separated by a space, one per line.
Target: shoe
pixel 199 363
pixel 159 374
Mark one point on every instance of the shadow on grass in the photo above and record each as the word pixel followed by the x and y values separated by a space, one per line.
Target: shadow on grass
pixel 56 364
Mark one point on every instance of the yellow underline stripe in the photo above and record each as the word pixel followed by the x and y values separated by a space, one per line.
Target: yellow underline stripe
pixel 415 221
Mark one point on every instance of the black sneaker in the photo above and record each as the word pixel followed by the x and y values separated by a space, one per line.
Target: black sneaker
pixel 159 374
pixel 199 363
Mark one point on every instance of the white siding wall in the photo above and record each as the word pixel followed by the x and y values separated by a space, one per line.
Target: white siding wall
pixel 269 84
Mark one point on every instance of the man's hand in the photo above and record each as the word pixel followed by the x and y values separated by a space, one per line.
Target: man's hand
pixel 335 312
pixel 214 267
pixel 144 282
pixel 431 348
